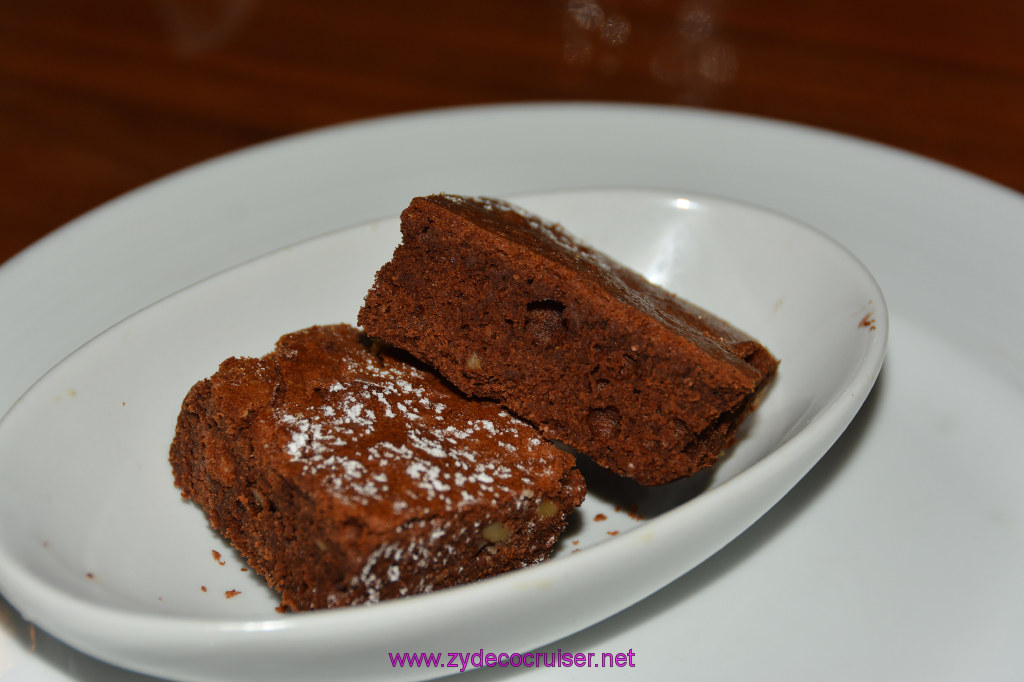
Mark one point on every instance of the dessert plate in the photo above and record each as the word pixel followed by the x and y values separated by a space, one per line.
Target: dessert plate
pixel 97 547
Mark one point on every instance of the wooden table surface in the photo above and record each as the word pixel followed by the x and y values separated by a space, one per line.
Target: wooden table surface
pixel 97 98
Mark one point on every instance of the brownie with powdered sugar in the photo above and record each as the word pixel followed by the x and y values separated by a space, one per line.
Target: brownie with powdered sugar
pixel 347 474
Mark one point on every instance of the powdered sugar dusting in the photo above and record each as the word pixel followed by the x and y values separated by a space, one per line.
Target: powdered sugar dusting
pixel 372 437
pixel 410 559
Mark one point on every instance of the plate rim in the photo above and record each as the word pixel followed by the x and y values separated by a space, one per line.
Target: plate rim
pixel 1009 204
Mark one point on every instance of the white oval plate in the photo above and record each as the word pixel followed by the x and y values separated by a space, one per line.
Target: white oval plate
pixel 97 547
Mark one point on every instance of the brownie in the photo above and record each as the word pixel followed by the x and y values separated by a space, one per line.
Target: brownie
pixel 510 307
pixel 346 475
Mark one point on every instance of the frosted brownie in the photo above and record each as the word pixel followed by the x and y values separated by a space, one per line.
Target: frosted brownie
pixel 345 476
pixel 510 307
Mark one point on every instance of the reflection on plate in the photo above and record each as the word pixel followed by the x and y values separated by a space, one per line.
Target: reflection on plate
pixel 97 547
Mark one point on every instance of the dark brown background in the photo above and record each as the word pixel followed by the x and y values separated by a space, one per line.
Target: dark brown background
pixel 99 97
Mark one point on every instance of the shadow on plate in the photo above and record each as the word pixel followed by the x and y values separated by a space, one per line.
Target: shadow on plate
pixel 645 501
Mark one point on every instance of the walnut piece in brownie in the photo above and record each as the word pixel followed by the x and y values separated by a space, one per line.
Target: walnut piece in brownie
pixel 345 476
pixel 510 307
